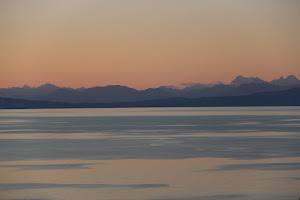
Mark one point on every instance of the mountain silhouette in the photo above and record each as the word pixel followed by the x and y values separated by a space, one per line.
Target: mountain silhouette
pixel 239 80
pixel 288 81
pixel 117 93
pixel 289 97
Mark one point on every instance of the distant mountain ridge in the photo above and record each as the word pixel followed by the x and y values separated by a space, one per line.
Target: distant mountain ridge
pixel 289 97
pixel 239 80
pixel 290 80
pixel 117 93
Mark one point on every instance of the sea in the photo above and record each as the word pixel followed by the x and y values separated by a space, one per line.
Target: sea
pixel 218 153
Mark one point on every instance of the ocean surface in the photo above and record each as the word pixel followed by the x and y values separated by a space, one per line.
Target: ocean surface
pixel 242 153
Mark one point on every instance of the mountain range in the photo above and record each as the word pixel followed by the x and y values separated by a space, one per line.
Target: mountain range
pixel 289 97
pixel 240 86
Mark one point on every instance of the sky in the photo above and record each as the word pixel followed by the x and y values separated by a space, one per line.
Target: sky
pixel 143 43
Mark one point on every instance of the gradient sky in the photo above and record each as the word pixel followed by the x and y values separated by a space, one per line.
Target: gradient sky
pixel 145 44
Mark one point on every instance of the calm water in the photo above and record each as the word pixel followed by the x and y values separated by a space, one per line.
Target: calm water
pixel 150 154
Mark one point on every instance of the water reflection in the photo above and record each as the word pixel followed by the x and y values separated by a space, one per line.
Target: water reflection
pixel 150 179
pixel 150 154
pixel 51 166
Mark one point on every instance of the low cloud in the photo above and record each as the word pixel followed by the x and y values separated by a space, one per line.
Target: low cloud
pixel 201 84
pixel 191 84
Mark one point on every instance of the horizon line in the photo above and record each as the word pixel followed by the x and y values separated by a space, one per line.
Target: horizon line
pixel 179 86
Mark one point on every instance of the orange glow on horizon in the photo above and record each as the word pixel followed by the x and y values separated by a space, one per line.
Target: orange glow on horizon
pixel 144 44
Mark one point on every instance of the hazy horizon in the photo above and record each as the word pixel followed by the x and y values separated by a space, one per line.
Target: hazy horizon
pixel 179 86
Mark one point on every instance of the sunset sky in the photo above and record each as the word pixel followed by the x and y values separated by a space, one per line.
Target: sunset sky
pixel 143 43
